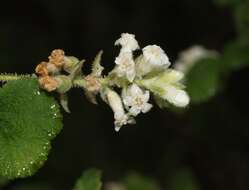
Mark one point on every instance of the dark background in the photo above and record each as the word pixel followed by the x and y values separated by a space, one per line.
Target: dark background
pixel 211 139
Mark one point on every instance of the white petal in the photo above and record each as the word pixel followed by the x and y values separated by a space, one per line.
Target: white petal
pixel 134 111
pixel 121 120
pixel 156 56
pixel 127 100
pixel 131 74
pixel 182 98
pixel 117 128
pixel 147 107
pixel 176 96
pixel 125 66
pixel 172 76
pixel 128 42
pixel 146 96
pixel 115 103
pixel 118 60
pixel 135 90
pixel 123 58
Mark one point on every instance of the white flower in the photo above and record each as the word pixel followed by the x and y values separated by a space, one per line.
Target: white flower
pixel 115 102
pixel 136 100
pixel 128 42
pixel 125 66
pixel 156 56
pixel 153 59
pixel 167 86
pixel 176 96
pixel 170 76
pixel 190 56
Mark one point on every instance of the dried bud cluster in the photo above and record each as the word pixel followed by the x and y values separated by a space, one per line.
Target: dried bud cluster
pixel 48 83
pixel 48 70
pixel 57 58
pixel 139 78
pixel 41 69
pixel 50 73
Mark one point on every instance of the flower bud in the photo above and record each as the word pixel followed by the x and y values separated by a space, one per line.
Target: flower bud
pixel 167 86
pixel 41 69
pixel 64 83
pixel 57 57
pixel 52 69
pixel 70 63
pixel 92 84
pixel 176 96
pixel 115 103
pixel 153 59
pixel 48 83
pixel 125 66
pixel 127 42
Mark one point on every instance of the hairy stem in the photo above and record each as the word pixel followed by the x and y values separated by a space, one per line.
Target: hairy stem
pixel 79 83
pixel 5 77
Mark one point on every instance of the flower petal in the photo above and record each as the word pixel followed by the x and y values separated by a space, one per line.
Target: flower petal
pixel 155 55
pixel 147 107
pixel 176 96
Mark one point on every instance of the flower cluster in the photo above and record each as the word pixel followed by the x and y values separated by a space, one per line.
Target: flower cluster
pixel 138 77
pixel 49 73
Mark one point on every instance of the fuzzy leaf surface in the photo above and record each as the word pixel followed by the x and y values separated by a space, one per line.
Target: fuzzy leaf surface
pixel 29 120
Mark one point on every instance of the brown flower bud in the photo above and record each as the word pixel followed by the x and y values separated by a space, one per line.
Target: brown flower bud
pixel 92 83
pixel 57 57
pixel 53 69
pixel 41 69
pixel 48 83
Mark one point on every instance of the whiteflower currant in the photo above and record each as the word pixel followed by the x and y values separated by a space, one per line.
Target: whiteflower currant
pixel 167 85
pixel 137 78
pixel 152 59
pixel 115 102
pixel 136 100
pixel 125 66
pixel 127 42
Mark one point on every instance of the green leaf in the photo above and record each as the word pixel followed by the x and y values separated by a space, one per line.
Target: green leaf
pixel 3 181
pixel 235 56
pixel 240 10
pixel 241 14
pixel 202 81
pixel 137 182
pixel 183 180
pixel 90 180
pixel 29 120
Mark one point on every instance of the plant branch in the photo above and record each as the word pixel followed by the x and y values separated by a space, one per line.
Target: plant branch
pixel 5 77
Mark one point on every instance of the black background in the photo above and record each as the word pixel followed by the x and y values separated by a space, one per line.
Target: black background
pixel 211 139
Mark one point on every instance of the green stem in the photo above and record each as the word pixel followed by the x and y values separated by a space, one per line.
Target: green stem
pixel 79 83
pixel 105 81
pixel 5 77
